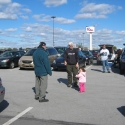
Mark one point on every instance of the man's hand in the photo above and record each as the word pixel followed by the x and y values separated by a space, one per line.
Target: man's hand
pixel 77 65
pixel 65 63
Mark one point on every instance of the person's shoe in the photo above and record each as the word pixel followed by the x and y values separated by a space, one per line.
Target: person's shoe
pixel 43 100
pixel 108 71
pixel 75 85
pixel 69 85
pixel 36 98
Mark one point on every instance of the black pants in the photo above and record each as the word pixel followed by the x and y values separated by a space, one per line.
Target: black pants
pixel 71 73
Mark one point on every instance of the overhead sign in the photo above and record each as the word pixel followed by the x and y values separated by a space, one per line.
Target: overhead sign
pixel 90 29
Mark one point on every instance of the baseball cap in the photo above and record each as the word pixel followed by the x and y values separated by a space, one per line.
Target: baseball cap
pixel 42 44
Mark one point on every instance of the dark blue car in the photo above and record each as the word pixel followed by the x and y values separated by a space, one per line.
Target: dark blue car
pixel 58 64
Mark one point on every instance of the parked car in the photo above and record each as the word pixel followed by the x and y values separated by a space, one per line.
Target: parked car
pixel 60 49
pixel 95 53
pixel 89 56
pixel 10 58
pixel 2 91
pixel 26 61
pixel 111 56
pixel 122 62
pixel 58 63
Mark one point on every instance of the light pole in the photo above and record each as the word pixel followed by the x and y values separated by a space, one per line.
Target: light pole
pixel 83 40
pixel 53 29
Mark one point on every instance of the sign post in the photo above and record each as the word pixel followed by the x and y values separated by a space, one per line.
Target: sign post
pixel 90 30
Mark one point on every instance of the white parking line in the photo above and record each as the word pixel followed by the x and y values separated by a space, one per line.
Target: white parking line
pixel 18 116
pixel 88 67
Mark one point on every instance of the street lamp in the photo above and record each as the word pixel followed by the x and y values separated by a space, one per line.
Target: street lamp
pixel 53 29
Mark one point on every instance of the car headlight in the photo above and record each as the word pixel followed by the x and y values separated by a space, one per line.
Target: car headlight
pixel 54 61
pixel 5 60
pixel 31 62
pixel 20 60
pixel 86 58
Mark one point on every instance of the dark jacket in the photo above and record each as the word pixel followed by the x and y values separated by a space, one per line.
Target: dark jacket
pixel 41 63
pixel 71 56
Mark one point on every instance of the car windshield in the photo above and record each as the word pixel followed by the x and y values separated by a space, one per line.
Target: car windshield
pixel 85 52
pixel 29 52
pixel 7 54
pixel 95 51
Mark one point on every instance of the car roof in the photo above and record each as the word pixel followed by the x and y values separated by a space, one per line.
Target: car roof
pixel 107 45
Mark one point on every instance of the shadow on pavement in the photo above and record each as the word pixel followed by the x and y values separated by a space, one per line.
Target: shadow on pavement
pixel 3 105
pixel 35 90
pixel 122 110
pixel 62 80
pixel 97 70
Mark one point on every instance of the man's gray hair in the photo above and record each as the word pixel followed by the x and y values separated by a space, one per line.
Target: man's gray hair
pixel 70 44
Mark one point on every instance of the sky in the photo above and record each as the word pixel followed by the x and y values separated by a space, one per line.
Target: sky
pixel 26 23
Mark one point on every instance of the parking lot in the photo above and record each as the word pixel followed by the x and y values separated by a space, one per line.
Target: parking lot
pixel 103 103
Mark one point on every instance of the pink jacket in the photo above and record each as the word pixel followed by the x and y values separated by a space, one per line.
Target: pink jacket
pixel 82 77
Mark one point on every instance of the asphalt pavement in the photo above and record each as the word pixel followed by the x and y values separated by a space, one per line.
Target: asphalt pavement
pixel 103 103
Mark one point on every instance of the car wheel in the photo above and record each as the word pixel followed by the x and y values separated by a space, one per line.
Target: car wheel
pixel 12 65
pixel 21 68
pixel 121 71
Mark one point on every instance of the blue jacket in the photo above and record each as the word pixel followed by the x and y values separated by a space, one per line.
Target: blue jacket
pixel 41 63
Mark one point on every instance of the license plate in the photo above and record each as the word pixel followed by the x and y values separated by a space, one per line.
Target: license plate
pixel 62 63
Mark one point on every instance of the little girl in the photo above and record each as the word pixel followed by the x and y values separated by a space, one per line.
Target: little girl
pixel 82 79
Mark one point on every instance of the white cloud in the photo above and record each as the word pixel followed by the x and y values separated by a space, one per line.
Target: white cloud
pixel 28 29
pixel 47 18
pixel 11 30
pixel 5 1
pixel 12 11
pixel 64 21
pixel 92 10
pixel 1 31
pixel 49 3
pixel 27 10
pixel 25 17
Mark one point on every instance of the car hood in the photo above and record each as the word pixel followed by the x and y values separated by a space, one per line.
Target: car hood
pixel 60 59
pixel 3 58
pixel 26 58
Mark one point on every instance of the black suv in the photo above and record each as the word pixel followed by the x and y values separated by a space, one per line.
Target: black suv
pixel 122 62
pixel 10 58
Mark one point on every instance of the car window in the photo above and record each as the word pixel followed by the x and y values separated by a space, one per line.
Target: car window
pixel 17 54
pixel 7 54
pixel 22 53
pixel 52 51
pixel 29 52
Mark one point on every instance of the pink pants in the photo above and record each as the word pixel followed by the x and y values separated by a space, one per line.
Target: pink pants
pixel 82 87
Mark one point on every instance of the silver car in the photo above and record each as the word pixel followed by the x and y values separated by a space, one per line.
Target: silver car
pixel 2 91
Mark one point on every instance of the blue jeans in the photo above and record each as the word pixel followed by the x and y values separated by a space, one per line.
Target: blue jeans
pixel 105 65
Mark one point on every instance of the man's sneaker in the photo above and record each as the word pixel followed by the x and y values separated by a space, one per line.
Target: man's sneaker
pixel 36 98
pixel 69 85
pixel 108 71
pixel 43 100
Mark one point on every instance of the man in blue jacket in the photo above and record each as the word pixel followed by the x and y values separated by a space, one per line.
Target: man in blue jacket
pixel 42 68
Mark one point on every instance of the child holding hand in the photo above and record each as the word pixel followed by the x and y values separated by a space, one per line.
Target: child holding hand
pixel 82 79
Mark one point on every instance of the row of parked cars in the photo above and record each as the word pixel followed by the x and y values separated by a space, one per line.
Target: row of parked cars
pixel 24 60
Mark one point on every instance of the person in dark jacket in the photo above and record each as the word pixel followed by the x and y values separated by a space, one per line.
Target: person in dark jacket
pixel 41 68
pixel 71 62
